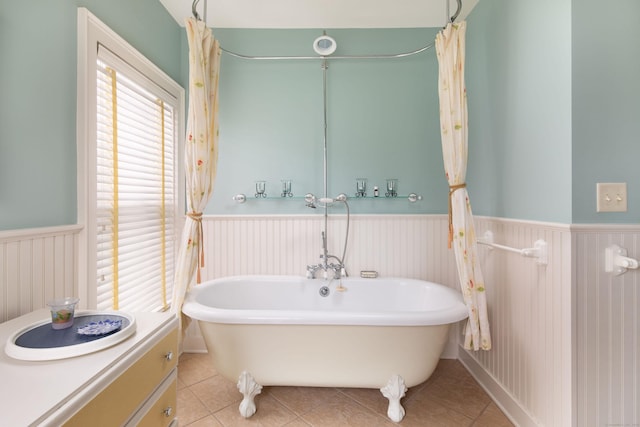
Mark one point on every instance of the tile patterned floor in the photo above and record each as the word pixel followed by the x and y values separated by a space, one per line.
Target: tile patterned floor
pixel 451 397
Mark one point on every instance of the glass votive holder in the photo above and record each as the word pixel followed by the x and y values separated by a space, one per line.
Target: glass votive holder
pixel 392 187
pixel 260 189
pixel 286 188
pixel 62 312
pixel 361 187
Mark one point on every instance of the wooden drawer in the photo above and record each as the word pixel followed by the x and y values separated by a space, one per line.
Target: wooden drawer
pixel 160 409
pixel 114 405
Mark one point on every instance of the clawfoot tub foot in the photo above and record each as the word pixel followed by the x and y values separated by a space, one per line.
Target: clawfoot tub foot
pixel 394 391
pixel 249 389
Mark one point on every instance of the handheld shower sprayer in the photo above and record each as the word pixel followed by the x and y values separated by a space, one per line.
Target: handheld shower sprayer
pixel 338 270
pixel 313 202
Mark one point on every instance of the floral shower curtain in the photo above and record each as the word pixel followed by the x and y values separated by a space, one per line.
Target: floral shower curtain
pixel 201 154
pixel 450 50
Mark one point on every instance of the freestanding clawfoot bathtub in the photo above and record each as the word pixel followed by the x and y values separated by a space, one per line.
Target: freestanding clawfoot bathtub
pixel 351 332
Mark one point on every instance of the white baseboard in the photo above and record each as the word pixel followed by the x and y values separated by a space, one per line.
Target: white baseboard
pixel 511 408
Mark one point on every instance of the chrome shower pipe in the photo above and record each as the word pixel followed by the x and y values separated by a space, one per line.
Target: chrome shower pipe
pixel 325 65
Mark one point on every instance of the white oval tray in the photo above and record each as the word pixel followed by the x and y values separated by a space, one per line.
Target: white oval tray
pixel 55 353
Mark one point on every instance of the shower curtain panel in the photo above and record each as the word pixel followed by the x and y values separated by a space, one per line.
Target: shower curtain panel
pixel 201 154
pixel 450 50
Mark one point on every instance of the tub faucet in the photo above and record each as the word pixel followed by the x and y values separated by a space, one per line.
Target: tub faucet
pixel 329 270
pixel 335 270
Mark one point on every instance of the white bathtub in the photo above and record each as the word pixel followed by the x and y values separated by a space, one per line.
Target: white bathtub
pixel 279 330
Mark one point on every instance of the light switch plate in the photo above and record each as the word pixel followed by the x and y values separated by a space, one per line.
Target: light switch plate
pixel 611 197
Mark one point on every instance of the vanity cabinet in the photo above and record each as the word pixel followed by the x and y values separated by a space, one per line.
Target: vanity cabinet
pixel 132 383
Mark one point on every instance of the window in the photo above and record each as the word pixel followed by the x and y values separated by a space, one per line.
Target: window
pixel 129 122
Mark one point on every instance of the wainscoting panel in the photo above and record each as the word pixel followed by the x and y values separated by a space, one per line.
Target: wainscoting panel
pixel 608 329
pixel 393 245
pixel 529 369
pixel 36 265
pixel 566 336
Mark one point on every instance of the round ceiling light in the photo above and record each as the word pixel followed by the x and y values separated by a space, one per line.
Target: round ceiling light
pixel 324 45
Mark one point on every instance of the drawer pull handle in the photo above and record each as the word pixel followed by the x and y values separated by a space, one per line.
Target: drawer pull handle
pixel 168 411
pixel 169 356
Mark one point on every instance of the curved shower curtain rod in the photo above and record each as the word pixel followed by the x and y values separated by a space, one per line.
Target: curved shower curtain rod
pixel 379 56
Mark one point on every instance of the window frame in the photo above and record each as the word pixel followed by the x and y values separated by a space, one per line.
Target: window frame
pixel 91 33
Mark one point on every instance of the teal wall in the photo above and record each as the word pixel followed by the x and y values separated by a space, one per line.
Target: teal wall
pixel 382 118
pixel 606 105
pixel 553 109
pixel 38 97
pixel 519 89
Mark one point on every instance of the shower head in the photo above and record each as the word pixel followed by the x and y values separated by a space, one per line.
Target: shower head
pixel 324 45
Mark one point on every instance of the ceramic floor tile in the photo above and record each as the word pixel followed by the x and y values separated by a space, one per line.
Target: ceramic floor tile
pixel 209 421
pixel 216 393
pixel 451 397
pixel 416 388
pixel 190 408
pixel 297 423
pixel 370 398
pixel 451 368
pixel 343 411
pixel 180 384
pixel 270 413
pixel 194 368
pixel 492 417
pixel 462 395
pixel 423 412
pixel 301 400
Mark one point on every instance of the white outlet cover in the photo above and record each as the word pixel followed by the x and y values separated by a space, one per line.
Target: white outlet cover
pixel 611 197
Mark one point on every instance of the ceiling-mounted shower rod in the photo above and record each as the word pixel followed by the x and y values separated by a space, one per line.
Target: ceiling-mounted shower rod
pixel 397 55
pixel 378 56
pixel 194 11
pixel 455 15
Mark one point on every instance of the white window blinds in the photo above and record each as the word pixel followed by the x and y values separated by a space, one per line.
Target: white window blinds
pixel 136 188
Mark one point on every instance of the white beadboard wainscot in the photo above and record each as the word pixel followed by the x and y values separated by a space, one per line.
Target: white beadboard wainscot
pixel 393 245
pixel 608 328
pixel 528 372
pixel 36 265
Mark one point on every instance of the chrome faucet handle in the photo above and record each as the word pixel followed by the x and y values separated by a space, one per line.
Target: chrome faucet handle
pixel 337 270
pixel 311 271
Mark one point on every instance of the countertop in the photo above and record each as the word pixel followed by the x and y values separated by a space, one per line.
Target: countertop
pixel 46 393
